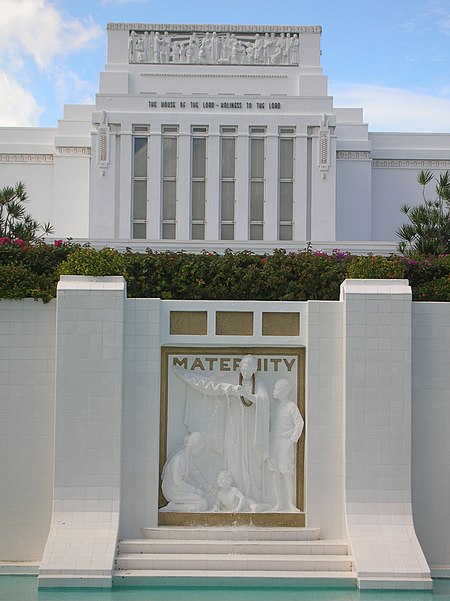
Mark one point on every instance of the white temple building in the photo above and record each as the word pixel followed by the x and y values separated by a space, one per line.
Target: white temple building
pixel 218 134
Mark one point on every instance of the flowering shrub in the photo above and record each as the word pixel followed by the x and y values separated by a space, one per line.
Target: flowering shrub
pixel 436 290
pixel 88 261
pixel 377 267
pixel 33 270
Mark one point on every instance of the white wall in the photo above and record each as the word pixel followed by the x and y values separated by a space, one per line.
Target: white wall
pixel 430 431
pixel 324 467
pixel 81 545
pixel 27 392
pixel 140 430
pixel 358 374
pixel 377 406
pixel 353 199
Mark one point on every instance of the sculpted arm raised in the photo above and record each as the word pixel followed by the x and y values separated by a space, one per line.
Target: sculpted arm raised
pixel 207 385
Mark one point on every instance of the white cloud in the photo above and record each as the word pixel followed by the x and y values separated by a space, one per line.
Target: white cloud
pixel 38 29
pixel 17 106
pixel 433 16
pixel 392 109
pixel 35 35
pixel 72 88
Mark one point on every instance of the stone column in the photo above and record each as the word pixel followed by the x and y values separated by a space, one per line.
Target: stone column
pixel 81 545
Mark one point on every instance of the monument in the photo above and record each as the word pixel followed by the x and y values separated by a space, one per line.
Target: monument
pixel 231 434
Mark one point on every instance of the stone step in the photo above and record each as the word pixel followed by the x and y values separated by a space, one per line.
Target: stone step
pixel 233 562
pixel 236 578
pixel 254 547
pixel 231 533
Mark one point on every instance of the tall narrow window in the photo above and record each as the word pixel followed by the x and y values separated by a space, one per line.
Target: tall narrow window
pixel 139 191
pixel 286 183
pixel 169 181
pixel 257 158
pixel 198 182
pixel 227 182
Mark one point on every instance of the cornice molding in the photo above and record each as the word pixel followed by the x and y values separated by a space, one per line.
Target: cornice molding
pixel 73 151
pixel 200 28
pixel 16 157
pixel 241 75
pixel 411 164
pixel 353 155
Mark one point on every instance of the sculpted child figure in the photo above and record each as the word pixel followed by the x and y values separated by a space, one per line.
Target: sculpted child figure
pixel 286 426
pixel 229 498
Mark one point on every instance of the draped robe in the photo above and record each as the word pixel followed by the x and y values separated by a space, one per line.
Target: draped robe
pixel 239 433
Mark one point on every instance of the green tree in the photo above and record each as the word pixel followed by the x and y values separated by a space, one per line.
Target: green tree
pixel 15 222
pixel 428 230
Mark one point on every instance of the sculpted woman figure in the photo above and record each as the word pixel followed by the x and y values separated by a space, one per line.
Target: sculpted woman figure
pixel 182 480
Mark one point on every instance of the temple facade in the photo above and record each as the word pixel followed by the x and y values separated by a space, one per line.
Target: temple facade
pixel 222 134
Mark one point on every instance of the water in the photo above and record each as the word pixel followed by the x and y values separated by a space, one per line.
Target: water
pixel 24 588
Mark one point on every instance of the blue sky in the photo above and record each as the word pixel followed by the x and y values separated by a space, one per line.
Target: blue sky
pixel 391 57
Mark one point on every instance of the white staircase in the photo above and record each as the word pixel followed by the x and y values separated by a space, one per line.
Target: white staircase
pixel 233 556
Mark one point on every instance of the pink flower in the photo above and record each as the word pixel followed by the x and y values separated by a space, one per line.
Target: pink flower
pixel 5 240
pixel 19 242
pixel 57 243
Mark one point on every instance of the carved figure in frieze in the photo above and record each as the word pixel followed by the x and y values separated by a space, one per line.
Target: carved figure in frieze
pixel 131 45
pixel 276 55
pixel 165 47
pixel 212 49
pixel 151 46
pixel 269 47
pixel 286 49
pixel 139 50
pixel 225 51
pixel 239 53
pixel 190 53
pixel 258 49
pixel 286 426
pixel 157 46
pixel 194 44
pixel 205 49
pixel 250 54
pixel 233 417
pixel 146 47
pixel 177 52
pixel 293 52
pixel 215 48
pixel 183 485
pixel 230 498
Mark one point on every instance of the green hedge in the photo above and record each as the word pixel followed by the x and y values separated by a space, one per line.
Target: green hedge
pixel 33 271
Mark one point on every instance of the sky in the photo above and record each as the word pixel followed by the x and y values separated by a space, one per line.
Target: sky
pixel 391 57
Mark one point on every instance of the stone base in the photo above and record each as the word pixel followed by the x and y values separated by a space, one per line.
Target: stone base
pixel 211 519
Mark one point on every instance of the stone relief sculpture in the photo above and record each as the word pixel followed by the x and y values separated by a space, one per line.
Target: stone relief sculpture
pixel 286 427
pixel 233 420
pixel 183 485
pixel 229 498
pixel 211 48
